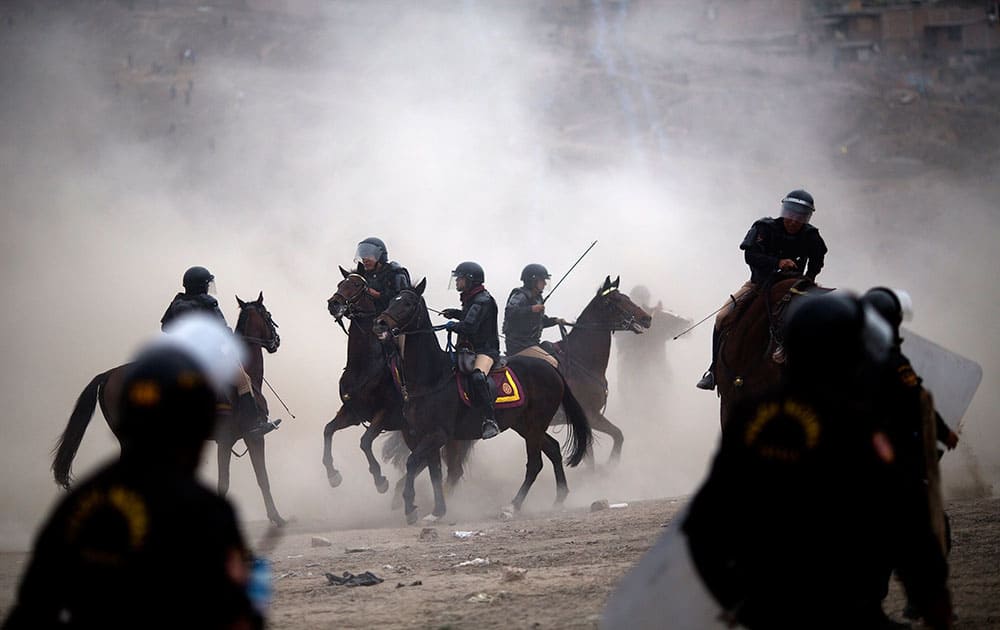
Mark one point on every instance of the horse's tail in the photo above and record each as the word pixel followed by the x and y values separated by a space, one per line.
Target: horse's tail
pixel 580 436
pixel 394 450
pixel 69 441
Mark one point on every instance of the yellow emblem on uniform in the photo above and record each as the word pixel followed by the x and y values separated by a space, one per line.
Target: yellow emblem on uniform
pixel 507 389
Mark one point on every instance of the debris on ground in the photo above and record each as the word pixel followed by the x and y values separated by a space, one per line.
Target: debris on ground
pixel 463 535
pixel 349 579
pixel 428 533
pixel 475 562
pixel 358 549
pixel 599 505
pixel 319 541
pixel 617 506
pixel 480 598
pixel 513 574
pixel 414 583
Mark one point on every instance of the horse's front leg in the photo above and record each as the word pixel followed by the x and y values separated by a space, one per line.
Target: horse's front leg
pixel 224 455
pixel 342 420
pixel 372 432
pixel 255 446
pixel 532 468
pixel 599 423
pixel 419 458
pixel 437 482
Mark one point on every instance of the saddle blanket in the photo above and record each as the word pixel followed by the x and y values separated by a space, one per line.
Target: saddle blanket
pixel 506 385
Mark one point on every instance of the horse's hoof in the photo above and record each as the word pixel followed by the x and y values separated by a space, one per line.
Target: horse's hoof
pixel 411 517
pixel 382 485
pixel 335 479
pixel 277 521
pixel 432 518
pixel 507 513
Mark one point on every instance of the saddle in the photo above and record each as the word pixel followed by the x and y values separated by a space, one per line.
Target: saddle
pixel 504 385
pixel 465 361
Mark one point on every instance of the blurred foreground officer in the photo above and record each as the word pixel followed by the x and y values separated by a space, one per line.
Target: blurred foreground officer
pixel 142 544
pixel 804 507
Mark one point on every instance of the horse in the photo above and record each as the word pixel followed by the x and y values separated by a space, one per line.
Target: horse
pixel 257 330
pixel 748 338
pixel 367 389
pixel 435 412
pixel 583 353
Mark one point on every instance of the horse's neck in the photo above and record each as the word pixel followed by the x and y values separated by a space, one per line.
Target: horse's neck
pixel 254 364
pixel 425 362
pixel 362 345
pixel 591 347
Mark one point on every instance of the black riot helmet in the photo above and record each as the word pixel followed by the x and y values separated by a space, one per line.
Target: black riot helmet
pixel 167 401
pixel 829 337
pixel 798 205
pixel 197 280
pixel 894 306
pixel 533 272
pixel 372 247
pixel 470 271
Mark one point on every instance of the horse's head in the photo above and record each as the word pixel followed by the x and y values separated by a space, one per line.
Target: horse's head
pixel 352 298
pixel 615 310
pixel 256 326
pixel 407 312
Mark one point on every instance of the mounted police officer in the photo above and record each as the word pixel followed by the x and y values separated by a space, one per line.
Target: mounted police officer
pixel 142 543
pixel 477 327
pixel 787 243
pixel 385 278
pixel 199 285
pixel 524 316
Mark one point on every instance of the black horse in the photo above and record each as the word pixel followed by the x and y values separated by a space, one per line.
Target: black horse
pixel 258 330
pixel 366 387
pixel 435 412
pixel 583 353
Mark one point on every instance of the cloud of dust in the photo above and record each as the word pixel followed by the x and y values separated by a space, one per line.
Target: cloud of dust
pixel 504 134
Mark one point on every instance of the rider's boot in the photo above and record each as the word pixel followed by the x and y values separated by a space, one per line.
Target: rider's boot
pixel 486 400
pixel 253 420
pixel 708 378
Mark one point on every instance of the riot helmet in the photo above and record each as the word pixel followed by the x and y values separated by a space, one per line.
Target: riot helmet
pixel 371 248
pixel 893 305
pixel 798 205
pixel 533 272
pixel 471 271
pixel 830 336
pixel 198 280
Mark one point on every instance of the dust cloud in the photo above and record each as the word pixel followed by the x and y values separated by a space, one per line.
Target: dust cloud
pixel 504 133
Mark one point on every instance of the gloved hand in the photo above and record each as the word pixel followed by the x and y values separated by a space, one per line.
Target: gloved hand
pixel 449 326
pixel 452 313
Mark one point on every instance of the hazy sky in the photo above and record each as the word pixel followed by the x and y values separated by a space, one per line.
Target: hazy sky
pixel 454 132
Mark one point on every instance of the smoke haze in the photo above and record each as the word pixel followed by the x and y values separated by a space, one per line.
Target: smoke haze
pixel 454 131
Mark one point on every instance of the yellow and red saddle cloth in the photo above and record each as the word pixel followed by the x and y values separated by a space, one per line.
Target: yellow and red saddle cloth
pixel 508 388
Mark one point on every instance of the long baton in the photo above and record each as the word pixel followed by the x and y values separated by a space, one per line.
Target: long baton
pixel 279 399
pixel 690 328
pixel 568 272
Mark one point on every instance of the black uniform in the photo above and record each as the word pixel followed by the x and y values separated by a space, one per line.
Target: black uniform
pixel 133 548
pixel 478 322
pixel 830 516
pixel 767 242
pixel 522 327
pixel 191 303
pixel 388 279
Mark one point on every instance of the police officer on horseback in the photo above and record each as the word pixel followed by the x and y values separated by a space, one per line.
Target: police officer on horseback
pixel 525 318
pixel 385 278
pixel 477 327
pixel 199 284
pixel 788 243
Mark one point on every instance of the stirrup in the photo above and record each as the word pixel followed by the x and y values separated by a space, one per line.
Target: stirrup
pixel 707 381
pixel 264 428
pixel 490 429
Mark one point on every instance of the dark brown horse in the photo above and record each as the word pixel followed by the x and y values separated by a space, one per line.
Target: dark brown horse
pixel 258 331
pixel 748 338
pixel 367 391
pixel 583 354
pixel 435 412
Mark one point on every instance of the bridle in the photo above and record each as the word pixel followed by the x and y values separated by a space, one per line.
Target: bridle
pixel 271 344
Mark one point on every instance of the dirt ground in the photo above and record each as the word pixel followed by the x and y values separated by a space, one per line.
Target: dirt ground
pixel 572 559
